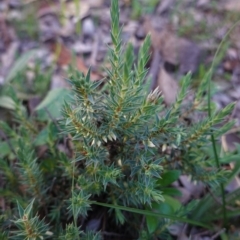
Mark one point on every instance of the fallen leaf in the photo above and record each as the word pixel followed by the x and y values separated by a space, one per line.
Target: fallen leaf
pixel 230 65
pixel 60 19
pixel 59 80
pixel 74 10
pixel 203 3
pixel 52 104
pixel 93 3
pixel 67 9
pixel 20 64
pixel 195 189
pixel 233 185
pixel 168 86
pixel 7 34
pixel 7 61
pixel 232 5
pixel 186 195
pixel 33 102
pixel 7 102
pixel 176 229
pixel 65 57
pixel 154 68
pixel 174 50
pixel 165 5
pixel 49 27
pixel 230 141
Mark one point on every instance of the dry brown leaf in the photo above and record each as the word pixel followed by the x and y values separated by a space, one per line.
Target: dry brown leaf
pixel 168 86
pixel 148 28
pixel 32 103
pixel 230 64
pixel 165 5
pixel 58 80
pixel 196 189
pixel 175 50
pixel 232 5
pixel 93 3
pixel 186 195
pixel 229 142
pixel 46 8
pixel 7 34
pixel 70 9
pixel 65 57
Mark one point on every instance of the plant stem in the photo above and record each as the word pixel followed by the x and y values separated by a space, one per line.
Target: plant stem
pixel 209 75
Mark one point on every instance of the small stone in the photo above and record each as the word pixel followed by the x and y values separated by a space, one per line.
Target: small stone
pixel 88 28
pixel 140 33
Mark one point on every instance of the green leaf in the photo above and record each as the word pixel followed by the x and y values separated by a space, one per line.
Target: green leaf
pixel 149 213
pixel 43 137
pixel 168 177
pixel 173 203
pixel 7 102
pixel 20 64
pixel 152 223
pixel 20 210
pixel 171 192
pixel 5 148
pixel 48 165
pixel 170 206
pixel 29 208
pixel 51 105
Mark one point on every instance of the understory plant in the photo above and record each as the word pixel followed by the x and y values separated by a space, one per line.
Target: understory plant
pixel 111 157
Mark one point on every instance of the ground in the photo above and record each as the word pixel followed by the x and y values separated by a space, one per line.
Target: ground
pixel 39 40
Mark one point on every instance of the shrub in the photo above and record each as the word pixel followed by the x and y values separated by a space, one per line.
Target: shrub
pixel 122 149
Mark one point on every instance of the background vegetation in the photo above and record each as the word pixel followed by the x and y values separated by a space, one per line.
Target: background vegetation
pixel 101 160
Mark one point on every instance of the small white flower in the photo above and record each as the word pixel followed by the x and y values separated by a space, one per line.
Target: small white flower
pixel 154 95
pixel 113 136
pixel 104 139
pixel 110 137
pixel 150 144
pixel 164 147
pixel 49 233
pixel 174 146
pixel 120 162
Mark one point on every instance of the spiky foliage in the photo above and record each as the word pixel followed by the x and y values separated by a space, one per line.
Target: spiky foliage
pixel 125 145
pixel 30 227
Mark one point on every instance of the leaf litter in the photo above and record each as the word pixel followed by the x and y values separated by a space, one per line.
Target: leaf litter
pixel 185 35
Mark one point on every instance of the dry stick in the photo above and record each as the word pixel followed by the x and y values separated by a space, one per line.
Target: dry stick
pixel 95 49
pixel 154 68
pixel 68 144
pixel 181 235
pixel 198 235
pixel 218 233
pixel 209 74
